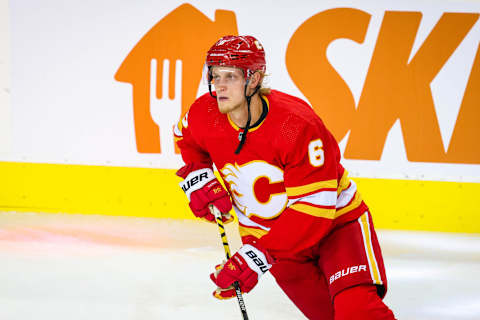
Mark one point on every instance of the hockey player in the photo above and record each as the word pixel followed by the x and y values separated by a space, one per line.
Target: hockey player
pixel 299 214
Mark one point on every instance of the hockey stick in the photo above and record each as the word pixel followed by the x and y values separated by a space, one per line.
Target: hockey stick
pixel 223 235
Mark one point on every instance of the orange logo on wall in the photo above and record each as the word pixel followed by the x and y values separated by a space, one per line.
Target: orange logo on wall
pixel 185 34
pixel 395 88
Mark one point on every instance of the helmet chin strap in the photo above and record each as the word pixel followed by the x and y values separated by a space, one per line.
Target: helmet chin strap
pixel 243 135
pixel 210 90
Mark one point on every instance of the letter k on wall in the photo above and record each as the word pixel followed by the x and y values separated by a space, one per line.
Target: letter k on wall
pixel 396 87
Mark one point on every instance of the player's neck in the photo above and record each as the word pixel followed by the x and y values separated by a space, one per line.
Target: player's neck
pixel 239 116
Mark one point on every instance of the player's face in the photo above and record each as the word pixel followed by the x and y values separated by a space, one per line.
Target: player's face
pixel 229 86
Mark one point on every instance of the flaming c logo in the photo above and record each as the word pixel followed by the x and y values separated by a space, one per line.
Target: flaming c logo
pixel 185 34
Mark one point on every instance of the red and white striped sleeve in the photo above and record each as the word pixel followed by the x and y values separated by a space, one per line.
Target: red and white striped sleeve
pixel 187 137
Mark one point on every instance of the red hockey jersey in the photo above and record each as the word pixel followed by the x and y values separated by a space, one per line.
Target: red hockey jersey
pixel 287 184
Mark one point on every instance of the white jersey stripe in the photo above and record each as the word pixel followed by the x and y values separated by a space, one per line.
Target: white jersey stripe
pixel 322 198
pixel 346 195
pixel 177 131
pixel 245 221
pixel 292 201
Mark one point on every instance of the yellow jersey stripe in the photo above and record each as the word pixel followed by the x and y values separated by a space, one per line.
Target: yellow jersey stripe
pixel 297 191
pixel 177 130
pixel 246 231
pixel 357 200
pixel 314 211
pixel 344 182
pixel 369 249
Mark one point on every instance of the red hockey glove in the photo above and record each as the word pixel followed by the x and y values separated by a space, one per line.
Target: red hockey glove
pixel 246 266
pixel 202 188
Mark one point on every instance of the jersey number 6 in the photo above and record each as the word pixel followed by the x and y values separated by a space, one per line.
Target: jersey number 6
pixel 315 153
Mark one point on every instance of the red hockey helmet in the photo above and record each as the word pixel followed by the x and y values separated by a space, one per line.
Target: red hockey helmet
pixel 243 52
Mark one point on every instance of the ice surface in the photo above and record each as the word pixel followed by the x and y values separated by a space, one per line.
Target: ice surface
pixel 56 266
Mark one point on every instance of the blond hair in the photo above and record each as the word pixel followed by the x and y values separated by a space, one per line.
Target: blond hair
pixel 263 90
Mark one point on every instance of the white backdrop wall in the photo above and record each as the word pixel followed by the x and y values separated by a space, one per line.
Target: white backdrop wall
pixel 67 107
pixel 5 129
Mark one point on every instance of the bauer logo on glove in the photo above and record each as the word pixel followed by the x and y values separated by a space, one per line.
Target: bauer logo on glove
pixel 196 180
pixel 203 188
pixel 246 267
pixel 263 267
pixel 187 184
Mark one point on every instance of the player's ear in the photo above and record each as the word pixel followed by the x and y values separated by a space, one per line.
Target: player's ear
pixel 254 80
